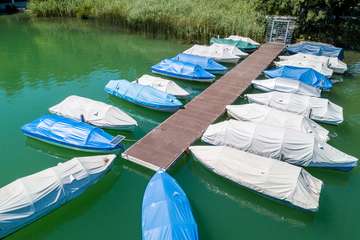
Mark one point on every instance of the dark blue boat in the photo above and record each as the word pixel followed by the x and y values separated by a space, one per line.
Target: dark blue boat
pixel 166 211
pixel 316 48
pixel 306 75
pixel 72 134
pixel 182 70
pixel 206 63
pixel 145 96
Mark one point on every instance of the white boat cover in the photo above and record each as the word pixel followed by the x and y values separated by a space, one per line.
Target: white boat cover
pixel 94 112
pixel 334 63
pixel 267 176
pixel 286 85
pixel 274 142
pixel 29 198
pixel 220 54
pixel 244 39
pixel 317 66
pixel 229 48
pixel 270 116
pixel 318 109
pixel 164 85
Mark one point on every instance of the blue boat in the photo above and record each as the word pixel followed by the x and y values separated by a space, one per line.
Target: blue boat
pixel 206 63
pixel 316 48
pixel 166 211
pixel 142 95
pixel 68 133
pixel 182 70
pixel 306 75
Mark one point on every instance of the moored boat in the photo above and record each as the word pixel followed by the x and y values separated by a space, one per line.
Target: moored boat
pixel 206 63
pixel 317 66
pixel 244 39
pixel 218 53
pixel 242 45
pixel 317 49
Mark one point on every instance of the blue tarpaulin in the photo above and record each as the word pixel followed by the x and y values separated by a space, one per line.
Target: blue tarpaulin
pixel 305 75
pixel 72 134
pixel 182 70
pixel 145 96
pixel 206 63
pixel 166 211
pixel 316 48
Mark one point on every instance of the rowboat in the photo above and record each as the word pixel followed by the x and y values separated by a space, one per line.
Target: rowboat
pixel 219 53
pixel 72 134
pixel 29 198
pixel 206 63
pixel 275 179
pixel 166 211
pixel 93 112
pixel 317 49
pixel 144 96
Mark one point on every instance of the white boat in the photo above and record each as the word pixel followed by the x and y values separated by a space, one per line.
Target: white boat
pixel 317 66
pixel 32 197
pixel 286 85
pixel 279 143
pixel 93 112
pixel 164 85
pixel 244 39
pixel 218 53
pixel 270 116
pixel 228 48
pixel 334 63
pixel 272 178
pixel 318 109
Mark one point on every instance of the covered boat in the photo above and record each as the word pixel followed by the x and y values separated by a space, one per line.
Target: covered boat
pixel 94 112
pixel 279 143
pixel 317 66
pixel 270 116
pixel 218 53
pixel 244 39
pixel 242 45
pixel 182 70
pixel 333 63
pixel 166 211
pixel 29 198
pixel 286 85
pixel 69 133
pixel 316 48
pixel 305 75
pixel 281 181
pixel 318 109
pixel 164 85
pixel 145 96
pixel 206 63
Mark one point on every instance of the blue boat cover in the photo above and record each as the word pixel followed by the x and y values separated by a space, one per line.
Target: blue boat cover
pixel 182 70
pixel 206 63
pixel 316 48
pixel 71 134
pixel 305 75
pixel 166 211
pixel 143 95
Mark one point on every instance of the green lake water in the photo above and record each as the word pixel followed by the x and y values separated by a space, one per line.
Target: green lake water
pixel 43 62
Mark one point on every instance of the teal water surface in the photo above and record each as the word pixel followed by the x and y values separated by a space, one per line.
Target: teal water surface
pixel 42 62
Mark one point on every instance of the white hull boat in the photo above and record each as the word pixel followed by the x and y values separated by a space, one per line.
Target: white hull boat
pixel 164 85
pixel 278 180
pixel 270 116
pixel 216 53
pixel 244 39
pixel 317 66
pixel 279 143
pixel 286 85
pixel 93 112
pixel 318 109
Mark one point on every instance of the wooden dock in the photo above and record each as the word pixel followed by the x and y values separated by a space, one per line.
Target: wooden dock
pixel 162 146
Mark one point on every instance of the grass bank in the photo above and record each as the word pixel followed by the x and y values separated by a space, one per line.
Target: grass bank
pixel 186 19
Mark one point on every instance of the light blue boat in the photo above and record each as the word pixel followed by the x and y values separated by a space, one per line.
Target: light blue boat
pixel 166 211
pixel 182 70
pixel 142 95
pixel 206 63
pixel 68 133
pixel 306 75
pixel 316 48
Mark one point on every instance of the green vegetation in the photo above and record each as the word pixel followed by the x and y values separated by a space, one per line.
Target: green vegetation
pixel 186 19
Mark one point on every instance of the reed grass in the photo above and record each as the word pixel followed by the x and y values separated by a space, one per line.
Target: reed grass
pixel 186 19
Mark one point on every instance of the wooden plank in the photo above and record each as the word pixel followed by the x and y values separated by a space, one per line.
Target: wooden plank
pixel 162 146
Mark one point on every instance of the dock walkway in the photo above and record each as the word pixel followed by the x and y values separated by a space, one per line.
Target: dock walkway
pixel 162 146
